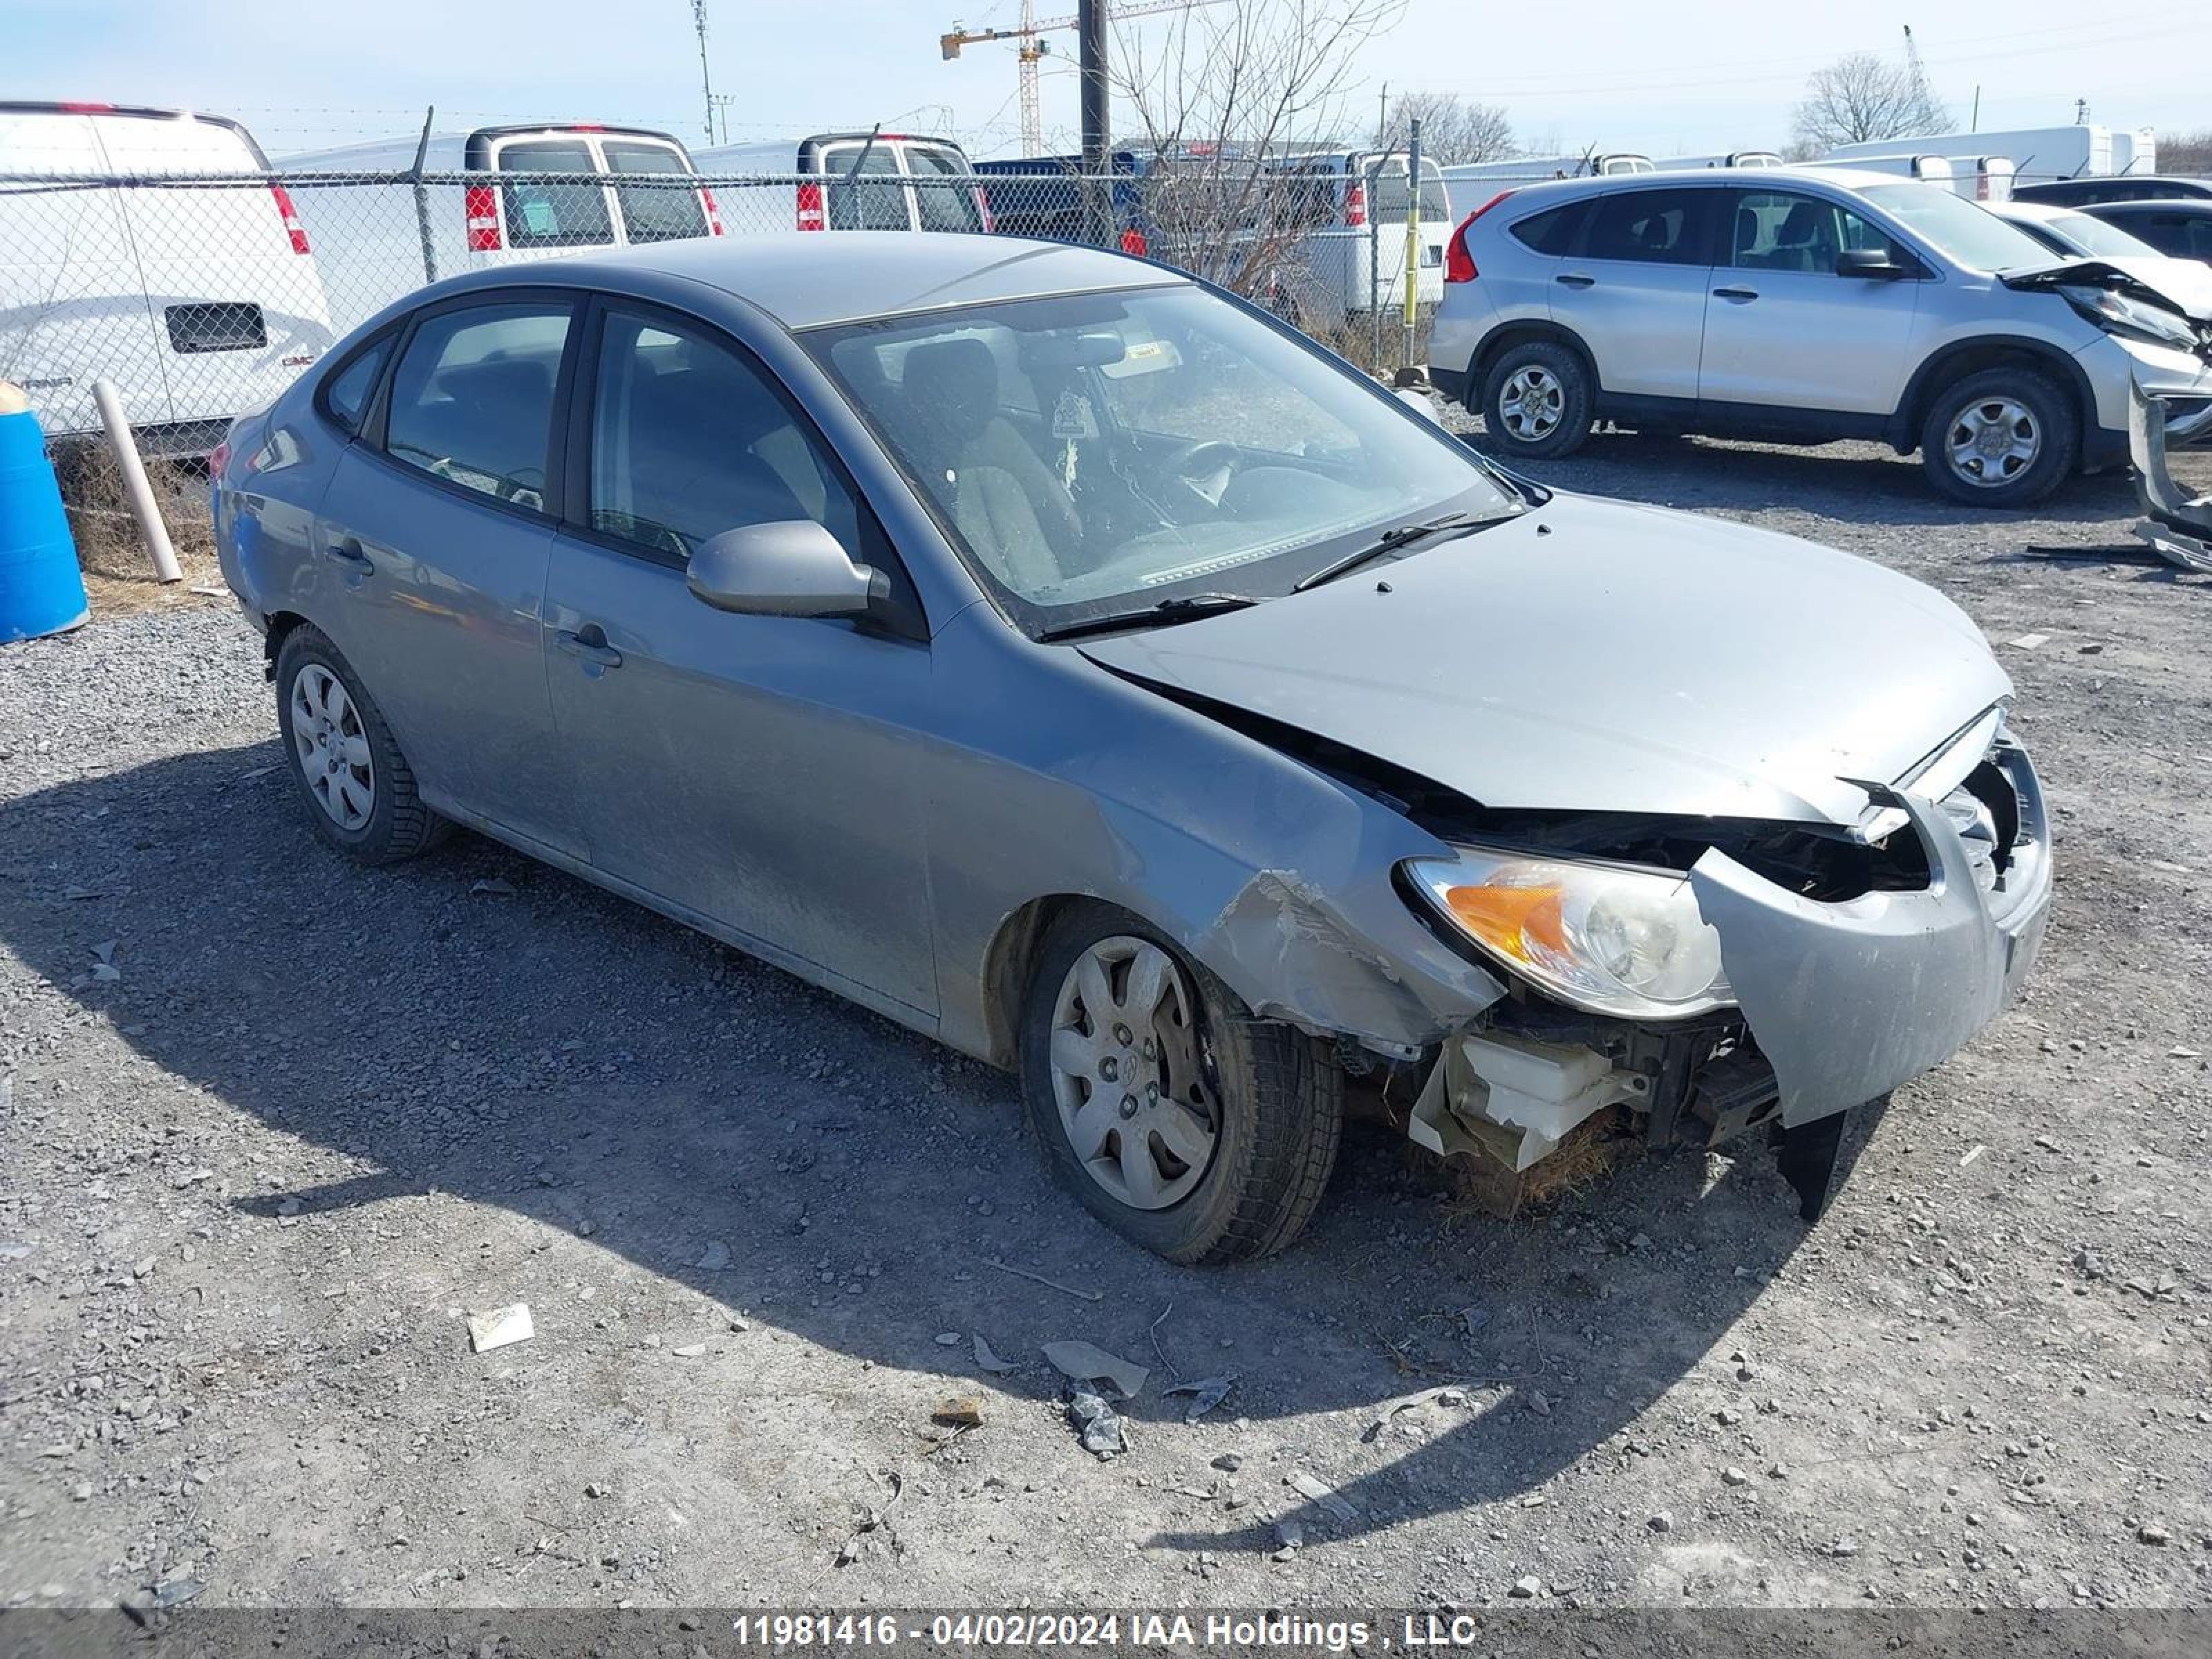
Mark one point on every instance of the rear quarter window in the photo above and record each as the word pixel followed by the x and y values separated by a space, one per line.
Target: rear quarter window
pixel 346 393
pixel 1552 232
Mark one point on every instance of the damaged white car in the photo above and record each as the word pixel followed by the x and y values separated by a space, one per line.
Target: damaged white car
pixel 1075 664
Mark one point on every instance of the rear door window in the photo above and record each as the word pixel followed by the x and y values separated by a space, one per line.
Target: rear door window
pixel 1652 227
pixel 653 212
pixel 941 206
pixel 472 399
pixel 876 199
pixel 564 213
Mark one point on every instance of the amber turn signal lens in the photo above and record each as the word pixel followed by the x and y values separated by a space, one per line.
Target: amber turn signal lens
pixel 1512 919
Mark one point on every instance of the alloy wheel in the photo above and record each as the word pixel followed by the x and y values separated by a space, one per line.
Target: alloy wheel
pixel 332 747
pixel 1532 403
pixel 1993 440
pixel 1127 1075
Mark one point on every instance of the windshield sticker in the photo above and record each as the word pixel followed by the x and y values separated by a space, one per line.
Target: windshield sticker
pixel 1072 417
pixel 1144 357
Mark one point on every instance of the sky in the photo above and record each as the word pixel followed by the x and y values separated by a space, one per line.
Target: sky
pixel 1663 78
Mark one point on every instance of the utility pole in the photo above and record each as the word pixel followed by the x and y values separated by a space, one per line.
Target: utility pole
pixel 1097 136
pixel 706 81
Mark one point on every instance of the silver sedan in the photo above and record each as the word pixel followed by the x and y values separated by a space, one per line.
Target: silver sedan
pixel 1071 662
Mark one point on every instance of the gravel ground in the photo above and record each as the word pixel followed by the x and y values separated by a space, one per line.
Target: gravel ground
pixel 272 1123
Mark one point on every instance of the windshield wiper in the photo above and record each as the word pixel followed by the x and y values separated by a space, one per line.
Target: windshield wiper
pixel 1391 540
pixel 1182 608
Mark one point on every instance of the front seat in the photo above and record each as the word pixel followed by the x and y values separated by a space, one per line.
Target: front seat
pixel 1798 244
pixel 1016 515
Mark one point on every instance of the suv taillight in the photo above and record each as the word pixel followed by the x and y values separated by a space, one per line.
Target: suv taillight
pixel 810 216
pixel 1459 263
pixel 1355 204
pixel 714 212
pixel 481 206
pixel 218 459
pixel 293 227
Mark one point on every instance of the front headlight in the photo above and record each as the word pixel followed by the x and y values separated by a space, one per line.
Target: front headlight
pixel 2116 314
pixel 1605 937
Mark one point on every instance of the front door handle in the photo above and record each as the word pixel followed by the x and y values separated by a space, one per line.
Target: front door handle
pixel 1575 280
pixel 1739 295
pixel 589 643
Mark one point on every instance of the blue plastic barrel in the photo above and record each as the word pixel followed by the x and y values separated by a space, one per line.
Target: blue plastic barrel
pixel 41 590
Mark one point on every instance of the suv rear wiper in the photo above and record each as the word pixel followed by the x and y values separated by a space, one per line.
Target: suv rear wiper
pixel 1183 607
pixel 1391 540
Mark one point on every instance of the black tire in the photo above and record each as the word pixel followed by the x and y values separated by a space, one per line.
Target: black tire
pixel 1552 365
pixel 1980 398
pixel 397 825
pixel 1280 1100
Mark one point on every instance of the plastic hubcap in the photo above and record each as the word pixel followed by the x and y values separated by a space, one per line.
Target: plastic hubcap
pixel 1126 1076
pixel 332 747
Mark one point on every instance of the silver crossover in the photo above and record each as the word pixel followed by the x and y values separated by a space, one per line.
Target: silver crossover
pixel 1806 305
pixel 1076 665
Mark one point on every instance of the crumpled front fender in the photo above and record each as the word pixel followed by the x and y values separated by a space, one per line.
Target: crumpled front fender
pixel 1848 1000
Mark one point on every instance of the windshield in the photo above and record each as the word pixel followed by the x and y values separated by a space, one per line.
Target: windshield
pixel 1973 236
pixel 1094 454
pixel 2087 235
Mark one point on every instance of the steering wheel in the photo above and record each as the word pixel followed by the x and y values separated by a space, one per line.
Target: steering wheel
pixel 1204 466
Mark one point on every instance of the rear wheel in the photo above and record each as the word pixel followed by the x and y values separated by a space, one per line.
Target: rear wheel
pixel 358 787
pixel 2000 437
pixel 1537 401
pixel 1176 1118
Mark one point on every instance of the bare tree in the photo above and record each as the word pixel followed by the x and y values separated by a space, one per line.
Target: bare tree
pixel 1454 132
pixel 1225 99
pixel 2187 153
pixel 1864 96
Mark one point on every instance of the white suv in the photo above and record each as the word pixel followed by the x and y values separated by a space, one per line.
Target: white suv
pixel 1801 306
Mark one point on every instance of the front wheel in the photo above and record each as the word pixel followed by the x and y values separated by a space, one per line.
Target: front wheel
pixel 2003 437
pixel 1537 401
pixel 1176 1118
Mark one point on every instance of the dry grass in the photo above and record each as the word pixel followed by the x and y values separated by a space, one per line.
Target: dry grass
pixel 118 571
pixel 1485 1186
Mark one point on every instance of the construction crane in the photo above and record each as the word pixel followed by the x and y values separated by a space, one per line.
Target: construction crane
pixel 1031 48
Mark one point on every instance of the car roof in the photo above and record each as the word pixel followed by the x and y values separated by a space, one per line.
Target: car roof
pixel 805 279
pixel 2153 204
pixel 1526 196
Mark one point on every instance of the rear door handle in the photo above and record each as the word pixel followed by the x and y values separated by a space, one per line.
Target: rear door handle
pixel 1739 295
pixel 590 645
pixel 1575 280
pixel 346 553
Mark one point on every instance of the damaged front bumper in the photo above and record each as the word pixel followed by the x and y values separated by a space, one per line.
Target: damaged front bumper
pixel 1837 1002
pixel 2177 524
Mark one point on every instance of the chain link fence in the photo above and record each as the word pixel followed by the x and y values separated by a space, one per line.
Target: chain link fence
pixel 201 295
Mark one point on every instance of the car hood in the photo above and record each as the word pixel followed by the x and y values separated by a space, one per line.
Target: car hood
pixel 2185 285
pixel 1597 656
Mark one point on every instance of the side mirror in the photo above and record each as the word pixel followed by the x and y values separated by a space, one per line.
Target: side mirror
pixel 793 567
pixel 1870 261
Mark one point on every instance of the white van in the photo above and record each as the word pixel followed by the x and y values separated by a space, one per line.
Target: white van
pixel 1728 158
pixel 1528 169
pixel 2038 152
pixel 1346 216
pixel 198 301
pixel 898 187
pixel 1976 178
pixel 381 238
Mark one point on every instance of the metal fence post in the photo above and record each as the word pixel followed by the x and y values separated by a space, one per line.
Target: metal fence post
pixel 423 199
pixel 1408 374
pixel 1374 291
